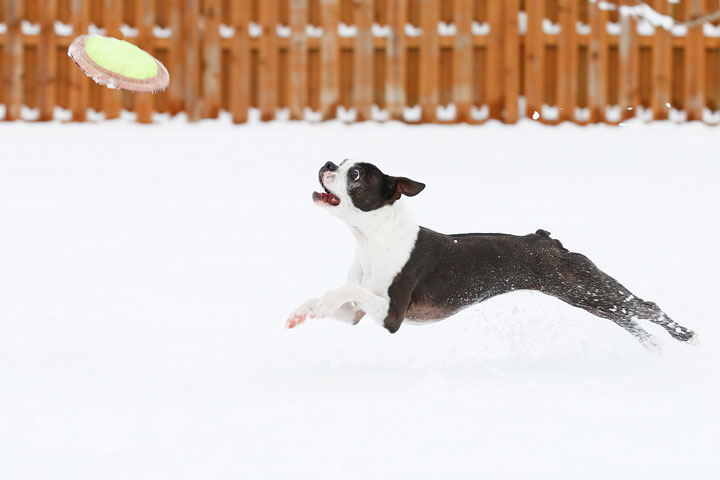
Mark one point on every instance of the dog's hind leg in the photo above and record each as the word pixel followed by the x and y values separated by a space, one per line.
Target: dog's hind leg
pixel 576 280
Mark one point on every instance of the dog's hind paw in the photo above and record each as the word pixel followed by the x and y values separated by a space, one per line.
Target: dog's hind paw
pixel 694 340
pixel 651 345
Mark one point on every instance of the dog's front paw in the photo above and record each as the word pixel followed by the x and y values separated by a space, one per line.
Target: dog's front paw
pixel 329 303
pixel 300 314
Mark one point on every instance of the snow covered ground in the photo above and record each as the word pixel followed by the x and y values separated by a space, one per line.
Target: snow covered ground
pixel 146 274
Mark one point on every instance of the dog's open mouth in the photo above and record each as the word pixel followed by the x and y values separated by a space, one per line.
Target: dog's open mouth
pixel 326 197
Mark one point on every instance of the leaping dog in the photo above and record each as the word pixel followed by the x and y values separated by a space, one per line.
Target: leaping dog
pixel 404 272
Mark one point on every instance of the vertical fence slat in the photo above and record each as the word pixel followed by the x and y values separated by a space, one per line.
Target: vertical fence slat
pixel 176 58
pixel 13 61
pixel 568 59
pixel 429 59
pixel 191 39
pixel 47 55
pixel 363 65
pixel 329 59
pixel 298 84
pixel 240 61
pixel 534 56
pixel 396 54
pixel 211 59
pixel 511 60
pixel 112 99
pixel 661 66
pixel 79 86
pixel 597 63
pixel 695 65
pixel 494 90
pixel 268 60
pixel 462 60
pixel 144 22
pixel 627 88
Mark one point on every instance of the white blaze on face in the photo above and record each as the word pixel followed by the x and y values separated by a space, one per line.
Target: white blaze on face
pixel 337 183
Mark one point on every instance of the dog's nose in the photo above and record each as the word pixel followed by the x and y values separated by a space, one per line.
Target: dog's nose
pixel 328 167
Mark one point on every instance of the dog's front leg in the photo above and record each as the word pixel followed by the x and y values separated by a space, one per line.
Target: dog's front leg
pixel 348 312
pixel 351 299
pixel 299 315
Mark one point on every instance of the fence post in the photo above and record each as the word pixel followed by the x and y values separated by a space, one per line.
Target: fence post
pixel 429 59
pixel 511 60
pixel 463 60
pixel 534 56
pixel 695 65
pixel 176 58
pixel 298 52
pixel 567 60
pixel 13 61
pixel 240 61
pixel 494 74
pixel 190 42
pixel 79 86
pixel 627 89
pixel 46 61
pixel 211 59
pixel 329 59
pixel 597 63
pixel 363 66
pixel 144 22
pixel 268 60
pixel 661 66
pixel 396 54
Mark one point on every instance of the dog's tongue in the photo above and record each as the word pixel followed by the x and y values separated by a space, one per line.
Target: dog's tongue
pixel 332 199
pixel 326 197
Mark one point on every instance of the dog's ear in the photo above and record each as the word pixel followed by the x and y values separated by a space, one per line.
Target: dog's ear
pixel 405 186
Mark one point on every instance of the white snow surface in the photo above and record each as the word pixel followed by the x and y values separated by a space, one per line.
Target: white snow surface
pixel 146 273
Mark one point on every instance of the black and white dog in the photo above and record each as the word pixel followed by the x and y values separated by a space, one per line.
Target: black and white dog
pixel 406 272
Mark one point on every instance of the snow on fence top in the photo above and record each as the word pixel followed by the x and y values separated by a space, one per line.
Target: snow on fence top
pixel 449 61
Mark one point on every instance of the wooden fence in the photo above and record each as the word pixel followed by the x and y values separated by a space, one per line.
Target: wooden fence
pixel 412 60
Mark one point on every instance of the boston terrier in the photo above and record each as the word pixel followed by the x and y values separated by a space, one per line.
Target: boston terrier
pixel 404 272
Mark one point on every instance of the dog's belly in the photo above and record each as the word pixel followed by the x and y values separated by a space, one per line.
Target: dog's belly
pixel 427 313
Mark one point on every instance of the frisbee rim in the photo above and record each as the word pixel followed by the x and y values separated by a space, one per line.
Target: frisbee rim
pixel 111 79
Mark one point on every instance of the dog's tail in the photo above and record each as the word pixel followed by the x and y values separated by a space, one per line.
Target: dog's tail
pixel 545 234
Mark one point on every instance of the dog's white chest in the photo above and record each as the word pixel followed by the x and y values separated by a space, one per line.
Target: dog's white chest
pixel 380 259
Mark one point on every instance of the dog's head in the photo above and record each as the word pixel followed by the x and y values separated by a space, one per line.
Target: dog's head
pixel 353 188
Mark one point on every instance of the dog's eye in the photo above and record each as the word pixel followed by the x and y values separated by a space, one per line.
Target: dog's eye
pixel 354 174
